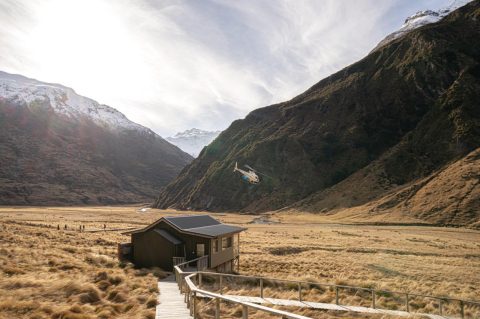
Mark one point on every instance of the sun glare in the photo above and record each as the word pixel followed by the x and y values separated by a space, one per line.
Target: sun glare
pixel 89 42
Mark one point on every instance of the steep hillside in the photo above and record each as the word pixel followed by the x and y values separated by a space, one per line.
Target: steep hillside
pixel 422 18
pixel 403 112
pixel 57 147
pixel 448 196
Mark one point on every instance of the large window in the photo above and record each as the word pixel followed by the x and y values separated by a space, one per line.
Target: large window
pixel 215 246
pixel 226 242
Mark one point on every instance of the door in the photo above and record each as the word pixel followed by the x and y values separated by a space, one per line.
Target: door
pixel 200 250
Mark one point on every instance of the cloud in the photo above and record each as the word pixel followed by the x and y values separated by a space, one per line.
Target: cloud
pixel 173 65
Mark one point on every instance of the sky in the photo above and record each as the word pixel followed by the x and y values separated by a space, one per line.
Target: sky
pixel 173 65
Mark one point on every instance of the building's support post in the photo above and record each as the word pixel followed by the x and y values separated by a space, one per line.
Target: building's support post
pixel 238 252
pixel 440 306
pixel 336 295
pixel 462 309
pixel 200 280
pixel 407 302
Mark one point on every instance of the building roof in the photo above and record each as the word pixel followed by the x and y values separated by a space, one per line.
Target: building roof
pixel 186 222
pixel 201 225
pixel 165 234
pixel 215 230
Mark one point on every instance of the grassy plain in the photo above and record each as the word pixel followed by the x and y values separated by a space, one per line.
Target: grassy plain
pixel 51 273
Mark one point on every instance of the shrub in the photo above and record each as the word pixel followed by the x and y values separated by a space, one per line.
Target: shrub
pixel 151 303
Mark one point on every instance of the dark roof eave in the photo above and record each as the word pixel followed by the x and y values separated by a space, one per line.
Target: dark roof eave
pixel 134 231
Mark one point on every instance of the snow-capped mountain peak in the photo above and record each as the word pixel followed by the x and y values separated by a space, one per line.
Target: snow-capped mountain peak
pixel 422 18
pixel 193 140
pixel 194 132
pixel 63 100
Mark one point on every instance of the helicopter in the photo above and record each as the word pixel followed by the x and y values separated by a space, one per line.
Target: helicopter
pixel 250 176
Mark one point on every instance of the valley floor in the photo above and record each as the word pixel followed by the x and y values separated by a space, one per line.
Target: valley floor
pixel 51 273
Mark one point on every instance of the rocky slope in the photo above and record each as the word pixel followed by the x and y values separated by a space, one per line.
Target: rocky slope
pixel 193 141
pixel 422 18
pixel 407 110
pixel 57 147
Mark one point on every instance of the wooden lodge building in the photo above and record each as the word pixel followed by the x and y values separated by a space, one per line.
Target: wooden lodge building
pixel 184 238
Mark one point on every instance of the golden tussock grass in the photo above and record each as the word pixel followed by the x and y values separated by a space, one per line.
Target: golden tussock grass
pixel 50 273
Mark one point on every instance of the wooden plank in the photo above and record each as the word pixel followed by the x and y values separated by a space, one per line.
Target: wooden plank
pixel 171 303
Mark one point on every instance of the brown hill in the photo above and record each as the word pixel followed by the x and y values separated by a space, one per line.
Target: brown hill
pixel 49 158
pixel 449 196
pixel 395 117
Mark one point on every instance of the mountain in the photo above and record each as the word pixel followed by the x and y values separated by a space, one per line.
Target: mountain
pixel 193 141
pixel 57 147
pixel 407 111
pixel 422 18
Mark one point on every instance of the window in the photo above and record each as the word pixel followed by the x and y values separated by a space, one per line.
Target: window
pixel 226 242
pixel 215 246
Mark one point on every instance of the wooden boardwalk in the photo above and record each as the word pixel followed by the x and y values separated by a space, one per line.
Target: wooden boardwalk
pixel 171 304
pixel 328 306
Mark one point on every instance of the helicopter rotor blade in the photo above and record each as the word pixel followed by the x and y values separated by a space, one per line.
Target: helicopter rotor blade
pixel 251 168
pixel 263 174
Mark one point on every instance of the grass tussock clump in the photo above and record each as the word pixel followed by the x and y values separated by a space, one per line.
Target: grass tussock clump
pixel 48 273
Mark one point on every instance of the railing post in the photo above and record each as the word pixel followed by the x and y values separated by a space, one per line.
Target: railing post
pixel 194 305
pixel 180 282
pixel 244 312
pixel 261 288
pixel 373 298
pixel 336 295
pixel 190 303
pixel 440 306
pixel 407 304
pixel 220 284
pixel 300 292
pixel 199 280
pixel 462 309
pixel 217 308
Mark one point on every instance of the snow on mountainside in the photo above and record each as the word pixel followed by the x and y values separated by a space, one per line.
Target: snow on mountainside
pixel 192 141
pixel 422 18
pixel 63 100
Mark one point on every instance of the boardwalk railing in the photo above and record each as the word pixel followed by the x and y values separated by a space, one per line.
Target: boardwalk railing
pixel 192 292
pixel 186 285
pixel 201 263
pixel 178 261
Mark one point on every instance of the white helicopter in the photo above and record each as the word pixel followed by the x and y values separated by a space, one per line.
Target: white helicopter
pixel 251 176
